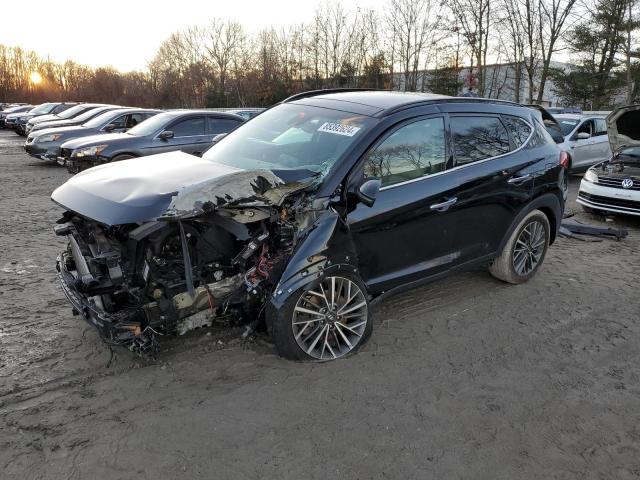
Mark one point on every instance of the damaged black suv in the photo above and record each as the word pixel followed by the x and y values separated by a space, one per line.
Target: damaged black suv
pixel 307 215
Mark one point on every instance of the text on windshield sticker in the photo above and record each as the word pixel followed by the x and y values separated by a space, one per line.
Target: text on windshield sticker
pixel 339 129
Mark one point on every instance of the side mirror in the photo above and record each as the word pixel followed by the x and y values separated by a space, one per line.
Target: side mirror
pixel 110 128
pixel 368 191
pixel 166 135
pixel 218 137
pixel 583 136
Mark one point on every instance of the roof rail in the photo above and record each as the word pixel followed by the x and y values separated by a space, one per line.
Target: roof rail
pixel 313 93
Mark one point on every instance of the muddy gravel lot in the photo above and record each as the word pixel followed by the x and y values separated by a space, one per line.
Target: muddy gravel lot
pixel 465 378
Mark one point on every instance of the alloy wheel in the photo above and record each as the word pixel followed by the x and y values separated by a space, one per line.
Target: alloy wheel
pixel 529 248
pixel 330 319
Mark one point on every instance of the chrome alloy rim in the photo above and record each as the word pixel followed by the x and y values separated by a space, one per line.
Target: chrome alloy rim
pixel 330 319
pixel 529 248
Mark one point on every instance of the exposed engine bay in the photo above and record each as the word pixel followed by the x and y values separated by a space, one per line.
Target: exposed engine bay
pixel 142 263
pixel 169 277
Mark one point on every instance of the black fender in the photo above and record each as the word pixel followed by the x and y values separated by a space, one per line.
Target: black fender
pixel 326 246
pixel 550 204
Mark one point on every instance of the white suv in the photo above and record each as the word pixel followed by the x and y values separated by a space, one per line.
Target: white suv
pixel 585 139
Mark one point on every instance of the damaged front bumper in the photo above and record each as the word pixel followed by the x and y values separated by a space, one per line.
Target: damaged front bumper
pixel 117 329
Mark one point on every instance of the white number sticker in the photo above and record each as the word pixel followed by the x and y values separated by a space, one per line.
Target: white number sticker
pixel 339 129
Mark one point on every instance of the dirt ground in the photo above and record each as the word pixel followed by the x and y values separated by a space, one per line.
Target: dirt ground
pixel 465 378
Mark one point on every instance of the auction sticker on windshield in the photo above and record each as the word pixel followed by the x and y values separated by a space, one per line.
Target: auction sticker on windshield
pixel 339 129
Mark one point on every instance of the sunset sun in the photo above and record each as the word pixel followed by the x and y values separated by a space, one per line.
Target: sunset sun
pixel 35 78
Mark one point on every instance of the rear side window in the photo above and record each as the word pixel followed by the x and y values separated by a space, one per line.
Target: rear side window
pixel 411 152
pixel 477 138
pixel 221 125
pixel 519 130
pixel 188 128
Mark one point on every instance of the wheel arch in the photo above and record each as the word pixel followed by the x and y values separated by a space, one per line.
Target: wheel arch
pixel 547 203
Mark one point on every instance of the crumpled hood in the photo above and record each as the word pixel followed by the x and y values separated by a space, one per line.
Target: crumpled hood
pixel 168 185
pixel 74 131
pixel 623 127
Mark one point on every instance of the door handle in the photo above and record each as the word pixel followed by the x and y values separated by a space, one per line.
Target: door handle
pixel 518 180
pixel 441 207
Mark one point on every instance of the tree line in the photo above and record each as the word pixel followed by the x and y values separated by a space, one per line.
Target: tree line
pixel 413 45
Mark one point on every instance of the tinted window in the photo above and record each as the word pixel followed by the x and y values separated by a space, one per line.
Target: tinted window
pixel 410 152
pixel 519 130
pixel 601 126
pixel 221 125
pixel 120 122
pixel 477 138
pixel 136 118
pixel 586 127
pixel 188 127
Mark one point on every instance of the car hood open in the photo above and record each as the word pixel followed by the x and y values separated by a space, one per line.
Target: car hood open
pixel 623 127
pixel 171 185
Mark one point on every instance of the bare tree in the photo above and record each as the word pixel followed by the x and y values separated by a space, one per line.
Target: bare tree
pixel 555 18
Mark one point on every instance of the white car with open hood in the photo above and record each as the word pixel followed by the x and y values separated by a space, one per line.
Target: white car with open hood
pixel 614 185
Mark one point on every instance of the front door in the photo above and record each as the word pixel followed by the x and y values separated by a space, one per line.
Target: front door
pixel 407 234
pixel 189 136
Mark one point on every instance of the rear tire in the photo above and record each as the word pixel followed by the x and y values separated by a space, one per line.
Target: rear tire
pixel 525 250
pixel 315 325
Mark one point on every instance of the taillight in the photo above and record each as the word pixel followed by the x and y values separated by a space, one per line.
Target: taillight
pixel 564 159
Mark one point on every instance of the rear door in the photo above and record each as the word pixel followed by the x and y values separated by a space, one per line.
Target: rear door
pixel 189 136
pixel 584 151
pixel 495 179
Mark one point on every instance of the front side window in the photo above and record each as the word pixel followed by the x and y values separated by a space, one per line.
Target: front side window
pixel 411 152
pixel 586 127
pixel 478 138
pixel 188 128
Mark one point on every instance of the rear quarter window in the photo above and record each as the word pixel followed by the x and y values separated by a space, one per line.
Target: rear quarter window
pixel 518 129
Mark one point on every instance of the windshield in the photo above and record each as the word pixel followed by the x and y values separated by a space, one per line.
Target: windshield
pixel 567 125
pixel 291 137
pixel 44 108
pixel 89 114
pixel 72 111
pixel 151 125
pixel 102 119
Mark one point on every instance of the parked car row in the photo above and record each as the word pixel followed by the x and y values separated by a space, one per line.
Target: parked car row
pixel 83 135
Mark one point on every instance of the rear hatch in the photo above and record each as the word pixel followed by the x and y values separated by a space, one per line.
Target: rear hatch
pixel 623 127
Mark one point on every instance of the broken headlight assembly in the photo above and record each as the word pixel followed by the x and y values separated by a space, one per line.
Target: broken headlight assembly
pixel 52 137
pixel 591 176
pixel 89 151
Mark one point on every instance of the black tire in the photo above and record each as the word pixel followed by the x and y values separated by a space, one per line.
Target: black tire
pixel 280 323
pixel 124 156
pixel 505 266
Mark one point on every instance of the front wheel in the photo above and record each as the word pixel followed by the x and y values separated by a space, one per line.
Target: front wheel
pixel 328 319
pixel 525 251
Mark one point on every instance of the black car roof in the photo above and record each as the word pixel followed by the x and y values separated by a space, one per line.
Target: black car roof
pixel 380 103
pixel 177 113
